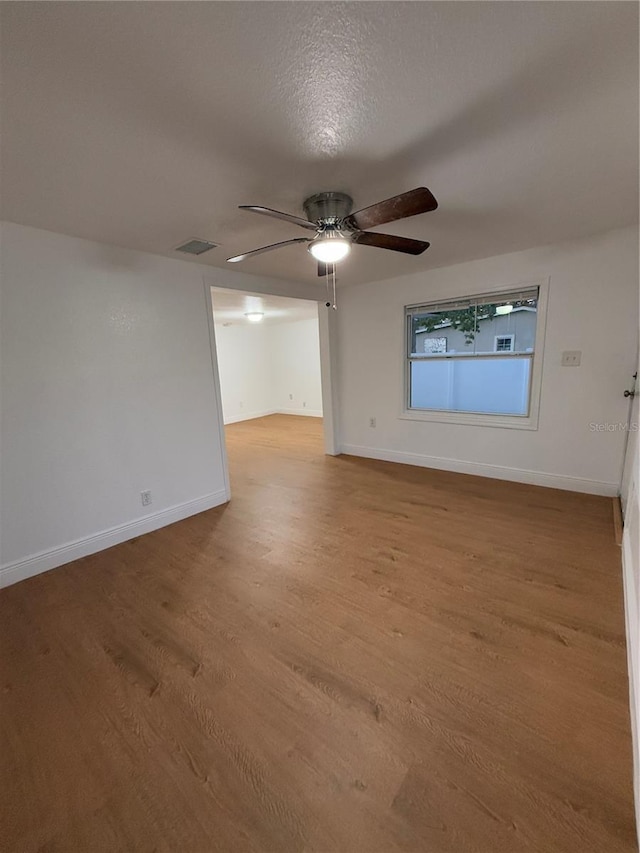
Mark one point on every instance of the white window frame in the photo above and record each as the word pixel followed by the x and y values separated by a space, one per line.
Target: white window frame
pixel 527 422
pixel 511 337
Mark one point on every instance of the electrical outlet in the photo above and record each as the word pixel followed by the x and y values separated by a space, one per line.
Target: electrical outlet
pixel 571 358
pixel 291 396
pixel 304 404
pixel 241 404
pixel 145 497
pixel 372 423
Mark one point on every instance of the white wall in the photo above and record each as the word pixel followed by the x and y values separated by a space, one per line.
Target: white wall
pixel 295 365
pixel 593 304
pixel 269 367
pixel 107 390
pixel 245 371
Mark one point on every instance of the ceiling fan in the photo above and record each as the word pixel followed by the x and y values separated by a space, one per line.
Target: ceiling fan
pixel 336 228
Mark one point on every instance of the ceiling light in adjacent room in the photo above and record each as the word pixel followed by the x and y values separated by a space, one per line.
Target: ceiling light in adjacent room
pixel 254 316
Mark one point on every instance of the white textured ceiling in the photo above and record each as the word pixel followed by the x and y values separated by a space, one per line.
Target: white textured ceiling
pixel 231 306
pixel 144 124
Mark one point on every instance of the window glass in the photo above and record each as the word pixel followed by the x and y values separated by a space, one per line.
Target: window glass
pixel 473 355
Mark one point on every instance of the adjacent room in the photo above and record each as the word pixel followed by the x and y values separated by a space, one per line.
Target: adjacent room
pixel 319 470
pixel 268 353
pixel 268 358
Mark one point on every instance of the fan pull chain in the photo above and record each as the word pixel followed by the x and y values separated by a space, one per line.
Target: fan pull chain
pixel 333 272
pixel 330 279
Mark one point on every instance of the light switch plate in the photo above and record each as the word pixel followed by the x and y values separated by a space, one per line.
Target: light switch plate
pixel 571 358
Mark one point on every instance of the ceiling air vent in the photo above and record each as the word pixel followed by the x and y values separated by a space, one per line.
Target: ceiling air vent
pixel 196 247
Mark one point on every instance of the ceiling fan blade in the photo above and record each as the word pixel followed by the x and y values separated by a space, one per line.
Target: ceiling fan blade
pixel 246 255
pixel 390 241
pixel 288 217
pixel 420 200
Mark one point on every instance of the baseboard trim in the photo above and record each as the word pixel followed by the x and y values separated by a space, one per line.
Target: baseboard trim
pixel 307 413
pixel 20 570
pixel 480 469
pixel 249 417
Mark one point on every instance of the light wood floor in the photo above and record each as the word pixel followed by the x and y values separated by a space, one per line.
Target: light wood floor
pixel 351 656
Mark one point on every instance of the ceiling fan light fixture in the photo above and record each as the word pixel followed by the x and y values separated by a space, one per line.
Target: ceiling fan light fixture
pixel 330 247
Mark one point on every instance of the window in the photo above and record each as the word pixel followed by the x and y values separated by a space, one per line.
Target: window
pixel 473 358
pixel 504 343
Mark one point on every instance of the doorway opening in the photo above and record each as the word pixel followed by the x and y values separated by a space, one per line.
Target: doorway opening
pixel 270 375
